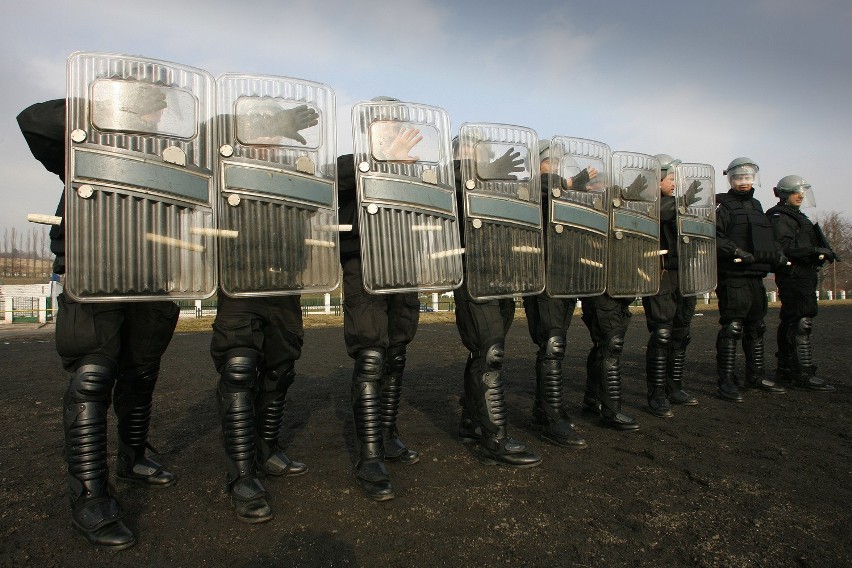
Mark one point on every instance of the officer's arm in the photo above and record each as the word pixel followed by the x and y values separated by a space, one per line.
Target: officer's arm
pixel 785 235
pixel 725 247
pixel 43 127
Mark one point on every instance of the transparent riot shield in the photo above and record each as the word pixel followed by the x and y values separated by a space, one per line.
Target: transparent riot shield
pixel 503 238
pixel 578 216
pixel 633 266
pixel 278 230
pixel 139 192
pixel 407 215
pixel 696 228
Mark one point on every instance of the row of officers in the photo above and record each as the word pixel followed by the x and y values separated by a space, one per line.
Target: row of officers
pixel 166 198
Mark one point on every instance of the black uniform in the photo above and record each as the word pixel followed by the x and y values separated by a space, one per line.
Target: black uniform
pixel 797 286
pixel 113 352
pixel 669 314
pixel 377 329
pixel 255 344
pixel 548 320
pixel 743 232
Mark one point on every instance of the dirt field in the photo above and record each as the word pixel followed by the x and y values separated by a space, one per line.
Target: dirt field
pixel 764 483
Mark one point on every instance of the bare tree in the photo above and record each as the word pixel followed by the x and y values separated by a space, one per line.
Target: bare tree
pixel 838 232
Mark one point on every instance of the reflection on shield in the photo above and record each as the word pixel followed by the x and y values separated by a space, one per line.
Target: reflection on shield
pixel 696 228
pixel 139 210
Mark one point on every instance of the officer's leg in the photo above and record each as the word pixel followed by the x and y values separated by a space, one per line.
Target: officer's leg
pixel 656 363
pixel 269 411
pixel 609 392
pixel 549 410
pixel 95 513
pixel 283 338
pixel 146 333
pixel 370 468
pixel 803 360
pixel 391 393
pixel 236 390
pixel 496 446
pixel 134 391
pixel 755 355
pixel 675 367
pixel 677 354
pixel 726 359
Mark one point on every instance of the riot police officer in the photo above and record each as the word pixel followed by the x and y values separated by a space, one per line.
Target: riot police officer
pixel 668 312
pixel 805 246
pixel 112 351
pixel 746 252
pixel 548 320
pixel 377 329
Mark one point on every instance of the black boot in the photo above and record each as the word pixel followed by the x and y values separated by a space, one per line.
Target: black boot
pixel 95 513
pixel 370 470
pixel 132 398
pixel 395 449
pixel 675 363
pixel 495 445
pixel 548 410
pixel 269 411
pixel 726 358
pixel 610 391
pixel 237 383
pixel 656 362
pixel 755 355
pixel 803 362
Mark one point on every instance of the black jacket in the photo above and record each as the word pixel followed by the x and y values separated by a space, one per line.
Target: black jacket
pixel 795 234
pixel 741 224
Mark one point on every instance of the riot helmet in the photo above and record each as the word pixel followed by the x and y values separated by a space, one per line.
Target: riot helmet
pixel 742 171
pixel 383 98
pixel 795 185
pixel 667 164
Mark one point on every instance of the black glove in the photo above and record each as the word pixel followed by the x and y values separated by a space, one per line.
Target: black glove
pixel 746 257
pixel 825 254
pixel 503 167
pixel 580 180
pixel 782 261
pixel 690 196
pixel 289 122
pixel 635 189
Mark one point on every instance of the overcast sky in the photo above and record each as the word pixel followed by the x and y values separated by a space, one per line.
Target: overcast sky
pixel 702 81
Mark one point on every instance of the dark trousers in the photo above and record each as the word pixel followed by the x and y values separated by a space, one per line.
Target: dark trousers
pixel 270 326
pixel 384 321
pixel 548 317
pixel 131 335
pixel 669 308
pixel 797 290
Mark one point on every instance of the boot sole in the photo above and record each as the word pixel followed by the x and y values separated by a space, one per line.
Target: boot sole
pixel 564 444
pixel 143 483
pixel 255 520
pixel 81 534
pixel 402 461
pixel 491 461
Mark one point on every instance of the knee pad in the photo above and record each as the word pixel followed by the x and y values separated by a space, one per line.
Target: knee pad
pixel 554 347
pixel 613 344
pixel 92 382
pixel 395 360
pixel 494 356
pixel 805 326
pixel 734 329
pixel 755 330
pixel 661 337
pixel 369 363
pixel 280 378
pixel 240 370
